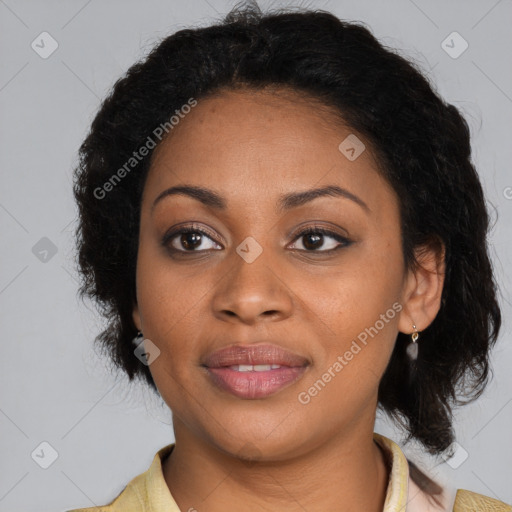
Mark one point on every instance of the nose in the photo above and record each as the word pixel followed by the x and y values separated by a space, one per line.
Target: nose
pixel 253 292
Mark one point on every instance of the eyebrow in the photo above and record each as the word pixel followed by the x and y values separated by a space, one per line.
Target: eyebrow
pixel 286 202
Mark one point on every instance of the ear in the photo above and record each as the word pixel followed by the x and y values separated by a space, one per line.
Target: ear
pixel 423 287
pixel 136 317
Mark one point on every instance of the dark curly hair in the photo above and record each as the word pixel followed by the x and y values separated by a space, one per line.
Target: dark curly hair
pixel 423 149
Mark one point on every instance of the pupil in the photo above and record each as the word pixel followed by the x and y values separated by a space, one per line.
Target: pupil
pixel 314 239
pixel 190 240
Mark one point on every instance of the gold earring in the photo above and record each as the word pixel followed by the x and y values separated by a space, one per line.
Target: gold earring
pixel 412 348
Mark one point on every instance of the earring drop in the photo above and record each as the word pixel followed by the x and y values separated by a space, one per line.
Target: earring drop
pixel 138 339
pixel 412 348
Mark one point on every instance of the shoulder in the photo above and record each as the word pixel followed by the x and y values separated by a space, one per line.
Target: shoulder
pixel 147 491
pixel 468 501
pixel 131 499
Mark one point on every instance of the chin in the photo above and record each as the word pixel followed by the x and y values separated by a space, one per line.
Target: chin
pixel 257 444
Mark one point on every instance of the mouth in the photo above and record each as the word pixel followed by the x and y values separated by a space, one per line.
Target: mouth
pixel 254 371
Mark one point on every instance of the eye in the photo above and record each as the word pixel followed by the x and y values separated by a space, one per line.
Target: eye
pixel 189 239
pixel 194 239
pixel 314 239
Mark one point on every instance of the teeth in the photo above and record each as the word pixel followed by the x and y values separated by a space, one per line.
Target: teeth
pixel 254 368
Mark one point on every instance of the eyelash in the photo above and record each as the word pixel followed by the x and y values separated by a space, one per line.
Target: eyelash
pixel 344 242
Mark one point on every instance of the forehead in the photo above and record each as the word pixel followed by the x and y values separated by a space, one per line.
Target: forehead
pixel 253 145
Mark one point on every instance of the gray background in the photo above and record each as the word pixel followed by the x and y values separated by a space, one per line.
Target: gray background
pixel 54 387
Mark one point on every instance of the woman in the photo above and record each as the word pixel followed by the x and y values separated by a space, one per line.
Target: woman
pixel 281 222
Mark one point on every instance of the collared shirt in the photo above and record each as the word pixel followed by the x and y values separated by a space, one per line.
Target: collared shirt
pixel 148 492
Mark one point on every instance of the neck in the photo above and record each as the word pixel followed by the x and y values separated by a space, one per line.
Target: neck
pixel 347 473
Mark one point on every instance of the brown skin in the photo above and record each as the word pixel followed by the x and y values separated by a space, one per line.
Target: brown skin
pixel 274 453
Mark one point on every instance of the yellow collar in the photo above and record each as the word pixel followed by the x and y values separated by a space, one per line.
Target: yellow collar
pixel 148 491
pixel 398 486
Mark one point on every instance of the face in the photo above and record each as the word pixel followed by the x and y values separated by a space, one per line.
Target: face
pixel 247 281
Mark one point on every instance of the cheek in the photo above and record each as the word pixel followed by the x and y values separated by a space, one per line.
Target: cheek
pixel 166 292
pixel 169 301
pixel 167 306
pixel 345 378
pixel 364 286
pixel 360 305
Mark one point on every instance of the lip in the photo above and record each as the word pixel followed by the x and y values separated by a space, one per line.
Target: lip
pixel 265 353
pixel 254 384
